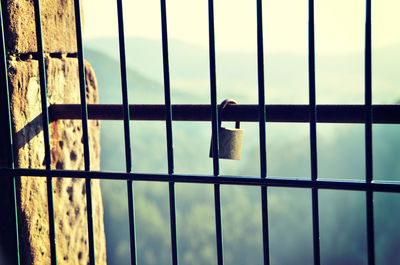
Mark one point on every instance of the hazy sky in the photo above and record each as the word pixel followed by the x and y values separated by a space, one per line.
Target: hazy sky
pixel 339 23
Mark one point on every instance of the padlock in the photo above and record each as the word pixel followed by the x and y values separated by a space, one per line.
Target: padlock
pixel 230 139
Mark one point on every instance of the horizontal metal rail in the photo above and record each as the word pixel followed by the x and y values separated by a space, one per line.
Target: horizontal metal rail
pixel 356 185
pixel 388 114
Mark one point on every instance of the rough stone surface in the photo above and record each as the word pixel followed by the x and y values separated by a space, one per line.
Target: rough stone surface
pixel 66 153
pixel 58 26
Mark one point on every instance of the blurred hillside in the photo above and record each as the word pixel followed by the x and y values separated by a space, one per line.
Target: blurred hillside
pixel 340 155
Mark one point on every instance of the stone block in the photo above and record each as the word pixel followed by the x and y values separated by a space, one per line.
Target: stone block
pixel 58 26
pixel 66 153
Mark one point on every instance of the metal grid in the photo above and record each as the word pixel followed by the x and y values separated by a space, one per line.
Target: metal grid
pixel 311 113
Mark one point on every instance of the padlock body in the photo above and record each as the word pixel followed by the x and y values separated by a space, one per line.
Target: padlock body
pixel 230 143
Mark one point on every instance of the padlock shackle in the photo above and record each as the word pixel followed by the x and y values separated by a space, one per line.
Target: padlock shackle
pixel 222 106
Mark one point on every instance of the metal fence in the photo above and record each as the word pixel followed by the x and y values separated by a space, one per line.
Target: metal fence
pixel 312 114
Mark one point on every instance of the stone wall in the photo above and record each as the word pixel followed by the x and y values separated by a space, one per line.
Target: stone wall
pixel 66 136
pixel 58 26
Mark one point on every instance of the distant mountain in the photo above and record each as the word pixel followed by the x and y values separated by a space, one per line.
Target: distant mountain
pixel 339 77
pixel 189 69
pixel 108 75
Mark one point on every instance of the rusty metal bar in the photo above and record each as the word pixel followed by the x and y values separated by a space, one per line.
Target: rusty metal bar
pixel 383 114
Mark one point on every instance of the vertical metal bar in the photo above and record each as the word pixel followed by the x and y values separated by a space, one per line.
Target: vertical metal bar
pixel 213 89
pixel 46 135
pixel 215 137
pixel 370 228
pixel 262 121
pixel 128 152
pixel 218 224
pixel 174 232
pixel 4 78
pixel 167 93
pixel 85 133
pixel 368 134
pixel 313 131
pixel 261 91
pixel 168 120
